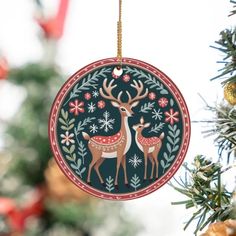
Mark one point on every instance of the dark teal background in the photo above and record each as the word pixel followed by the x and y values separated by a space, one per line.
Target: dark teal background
pixel 108 168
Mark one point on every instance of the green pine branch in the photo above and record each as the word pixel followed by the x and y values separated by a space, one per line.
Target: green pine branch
pixel 233 12
pixel 227 46
pixel 223 127
pixel 203 191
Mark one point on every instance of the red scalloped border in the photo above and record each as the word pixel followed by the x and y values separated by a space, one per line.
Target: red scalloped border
pixel 53 121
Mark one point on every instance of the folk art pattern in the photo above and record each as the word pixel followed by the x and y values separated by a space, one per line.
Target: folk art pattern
pixel 119 133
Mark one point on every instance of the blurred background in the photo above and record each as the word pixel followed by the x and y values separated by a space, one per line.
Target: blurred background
pixel 42 43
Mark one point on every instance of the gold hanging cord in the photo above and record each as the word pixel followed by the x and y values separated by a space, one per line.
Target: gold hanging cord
pixel 119 34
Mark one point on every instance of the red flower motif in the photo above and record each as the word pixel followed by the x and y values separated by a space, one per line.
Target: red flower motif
pixel 101 104
pixel 163 102
pixel 87 96
pixel 126 78
pixel 152 96
pixel 171 116
pixel 76 107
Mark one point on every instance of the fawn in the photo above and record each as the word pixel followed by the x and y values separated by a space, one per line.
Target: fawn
pixel 149 146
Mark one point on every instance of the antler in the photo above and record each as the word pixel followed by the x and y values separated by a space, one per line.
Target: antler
pixel 108 89
pixel 139 87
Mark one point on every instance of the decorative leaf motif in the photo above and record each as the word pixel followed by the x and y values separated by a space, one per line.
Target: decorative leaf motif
pixel 66 123
pixel 157 128
pixel 170 140
pixel 149 79
pixel 79 163
pixel 71 156
pixel 62 121
pixel 147 107
pixel 172 146
pixel 110 184
pixel 90 81
pixel 65 149
pixel 135 182
pixel 72 148
pixel 82 150
pixel 74 166
pixel 168 147
pixel 81 124
pixel 64 114
pixel 83 170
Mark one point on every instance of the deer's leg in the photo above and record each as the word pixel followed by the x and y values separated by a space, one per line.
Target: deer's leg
pixel 145 151
pixel 96 167
pixel 96 156
pixel 118 162
pixel 155 158
pixel 153 163
pixel 156 161
pixel 124 167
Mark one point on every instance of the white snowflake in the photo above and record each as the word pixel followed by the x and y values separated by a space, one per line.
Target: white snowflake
pixel 95 93
pixel 91 107
pixel 135 161
pixel 106 122
pixel 93 128
pixel 157 114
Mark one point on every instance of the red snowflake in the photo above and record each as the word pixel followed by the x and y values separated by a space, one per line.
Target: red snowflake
pixel 76 107
pixel 101 104
pixel 171 116
pixel 87 96
pixel 163 102
pixel 152 96
pixel 126 78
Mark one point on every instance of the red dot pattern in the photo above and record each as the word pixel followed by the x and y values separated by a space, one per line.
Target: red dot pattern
pixel 108 140
pixel 149 141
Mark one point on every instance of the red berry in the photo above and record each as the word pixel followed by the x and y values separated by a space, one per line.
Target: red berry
pixel 126 78
pixel 152 96
pixel 87 96
pixel 101 104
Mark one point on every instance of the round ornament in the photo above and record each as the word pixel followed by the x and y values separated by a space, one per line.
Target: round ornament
pixel 119 138
pixel 230 93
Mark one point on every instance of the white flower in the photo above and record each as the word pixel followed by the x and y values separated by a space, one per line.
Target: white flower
pixel 67 138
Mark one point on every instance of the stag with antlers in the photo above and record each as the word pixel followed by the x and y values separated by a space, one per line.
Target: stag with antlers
pixel 117 145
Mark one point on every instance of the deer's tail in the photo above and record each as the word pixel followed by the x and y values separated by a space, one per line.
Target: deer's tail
pixel 162 135
pixel 86 136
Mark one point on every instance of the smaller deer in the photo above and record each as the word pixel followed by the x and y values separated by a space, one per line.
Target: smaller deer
pixel 149 146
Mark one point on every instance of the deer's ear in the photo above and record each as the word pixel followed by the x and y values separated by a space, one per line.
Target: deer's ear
pixel 134 104
pixel 115 104
pixel 141 120
pixel 147 125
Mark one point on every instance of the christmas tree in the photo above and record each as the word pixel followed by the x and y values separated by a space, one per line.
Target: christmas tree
pixel 213 203
pixel 35 197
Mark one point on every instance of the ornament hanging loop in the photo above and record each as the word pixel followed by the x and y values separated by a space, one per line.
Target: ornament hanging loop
pixel 119 34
